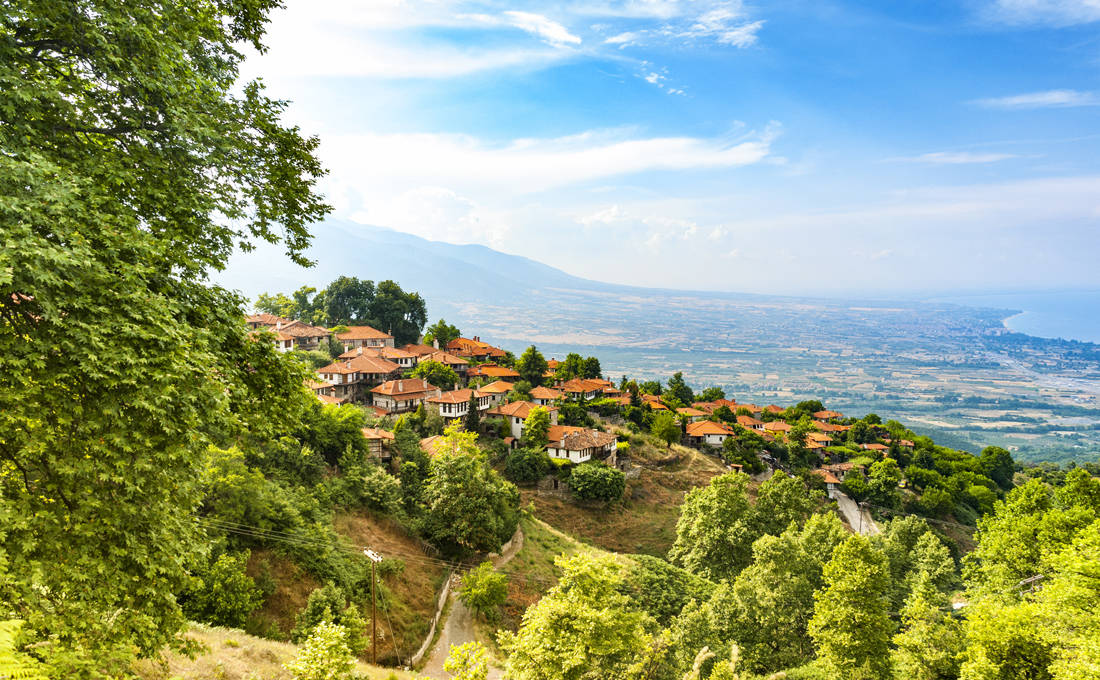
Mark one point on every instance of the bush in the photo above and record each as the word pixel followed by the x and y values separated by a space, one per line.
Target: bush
pixel 526 466
pixel 222 594
pixel 484 590
pixel 325 655
pixel 596 481
pixel 329 605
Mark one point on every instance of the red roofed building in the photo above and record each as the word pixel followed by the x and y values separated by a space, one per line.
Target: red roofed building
pixel 750 423
pixel 827 415
pixel 578 445
pixel 692 414
pixel 772 408
pixel 378 442
pixel 832 484
pixel 708 432
pixel 492 371
pixel 399 396
pixel 350 377
pixel 777 426
pixel 497 391
pixel 544 396
pixel 364 336
pixel 474 348
pixel 515 414
pixel 581 388
pixel 456 403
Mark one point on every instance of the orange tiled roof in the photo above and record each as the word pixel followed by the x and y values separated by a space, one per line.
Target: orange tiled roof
pixel 777 426
pixel 517 409
pixel 577 438
pixel 444 358
pixel 377 433
pixel 772 408
pixel 267 319
pixel 704 427
pixel 690 412
pixel 829 477
pixel 363 333
pixel 493 371
pixel 748 421
pixel 404 387
pixel 541 392
pixel 580 385
pixel 419 350
pixel 498 387
pixel 826 415
pixel 455 397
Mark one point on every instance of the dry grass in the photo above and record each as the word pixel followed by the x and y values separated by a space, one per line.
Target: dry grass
pixel 645 521
pixel 292 588
pixel 235 655
pixel 415 588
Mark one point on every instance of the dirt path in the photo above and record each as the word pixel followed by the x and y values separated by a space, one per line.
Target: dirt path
pixel 459 627
pixel 859 520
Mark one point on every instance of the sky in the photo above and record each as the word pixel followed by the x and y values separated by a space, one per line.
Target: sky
pixel 789 147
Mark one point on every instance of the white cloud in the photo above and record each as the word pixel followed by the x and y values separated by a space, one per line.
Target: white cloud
pixel 1044 12
pixel 1045 99
pixel 624 39
pixel 959 157
pixel 609 215
pixel 741 36
pixel 547 29
pixel 725 23
pixel 435 213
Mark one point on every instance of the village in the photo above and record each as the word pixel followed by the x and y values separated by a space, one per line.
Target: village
pixel 373 373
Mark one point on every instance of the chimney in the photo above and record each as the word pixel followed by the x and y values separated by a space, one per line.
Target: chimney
pixel 347 364
pixel 400 385
pixel 278 325
pixel 360 350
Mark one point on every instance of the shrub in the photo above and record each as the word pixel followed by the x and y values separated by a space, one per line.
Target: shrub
pixel 526 466
pixel 597 481
pixel 325 655
pixel 328 605
pixel 222 593
pixel 484 590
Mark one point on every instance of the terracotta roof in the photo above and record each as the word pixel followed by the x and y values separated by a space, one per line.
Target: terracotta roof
pixel 363 333
pixel 298 329
pixel 577 438
pixel 473 347
pixel 581 385
pixel 772 408
pixel 444 358
pixel 541 392
pixel 875 447
pixel 397 388
pixel 419 350
pixel 517 409
pixel 829 477
pixel 375 365
pixel 455 397
pixel 267 319
pixel 690 412
pixel 430 445
pixel 377 433
pixel 777 426
pixel 552 364
pixel 705 427
pixel 657 405
pixel 826 415
pixel 493 371
pixel 498 387
pixel 316 384
pixel 828 427
pixel 752 407
pixel 330 400
pixel 819 437
pixel 748 421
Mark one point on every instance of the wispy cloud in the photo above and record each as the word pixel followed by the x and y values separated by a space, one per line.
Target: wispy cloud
pixel 1040 100
pixel 549 30
pixel 958 157
pixel 1044 12
pixel 623 39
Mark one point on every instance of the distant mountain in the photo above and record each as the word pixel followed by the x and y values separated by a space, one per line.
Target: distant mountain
pixel 444 273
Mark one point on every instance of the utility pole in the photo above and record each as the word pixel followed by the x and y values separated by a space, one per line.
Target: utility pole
pixel 374 558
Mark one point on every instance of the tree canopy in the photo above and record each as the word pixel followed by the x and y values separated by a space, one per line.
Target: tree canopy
pixel 132 163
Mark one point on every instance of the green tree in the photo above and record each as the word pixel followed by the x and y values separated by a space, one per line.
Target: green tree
pixel 324 655
pixel 666 428
pixel 346 301
pixel 222 593
pixel 591 368
pixel 679 389
pixel 469 507
pixel 441 332
pixel 771 601
pixel 277 304
pixel 783 499
pixel 716 529
pixel 997 464
pixel 531 366
pixel 582 629
pixel 931 642
pixel 484 590
pixel 307 305
pixel 536 428
pixel 882 483
pixel 329 604
pixel 711 394
pixel 472 422
pixel 400 314
pixel 436 373
pixel 132 162
pixel 570 367
pixel 597 481
pixel 527 465
pixel 467 662
pixel 851 624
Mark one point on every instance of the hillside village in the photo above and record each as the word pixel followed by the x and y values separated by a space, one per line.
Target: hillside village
pixel 590 419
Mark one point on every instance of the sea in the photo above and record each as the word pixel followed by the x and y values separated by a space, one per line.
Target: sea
pixel 1069 315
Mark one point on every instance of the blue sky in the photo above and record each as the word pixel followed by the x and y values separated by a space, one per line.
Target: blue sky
pixel 789 147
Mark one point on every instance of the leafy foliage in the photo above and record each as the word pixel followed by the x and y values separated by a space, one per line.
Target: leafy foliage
pixel 222 593
pixel 484 590
pixel 324 655
pixel 436 373
pixel 531 366
pixel 441 332
pixel 597 481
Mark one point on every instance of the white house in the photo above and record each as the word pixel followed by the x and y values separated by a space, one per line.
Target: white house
pixel 708 432
pixel 456 403
pixel 578 445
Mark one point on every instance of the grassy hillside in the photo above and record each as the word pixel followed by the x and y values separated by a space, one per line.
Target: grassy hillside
pixel 412 578
pixel 235 655
pixel 645 521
